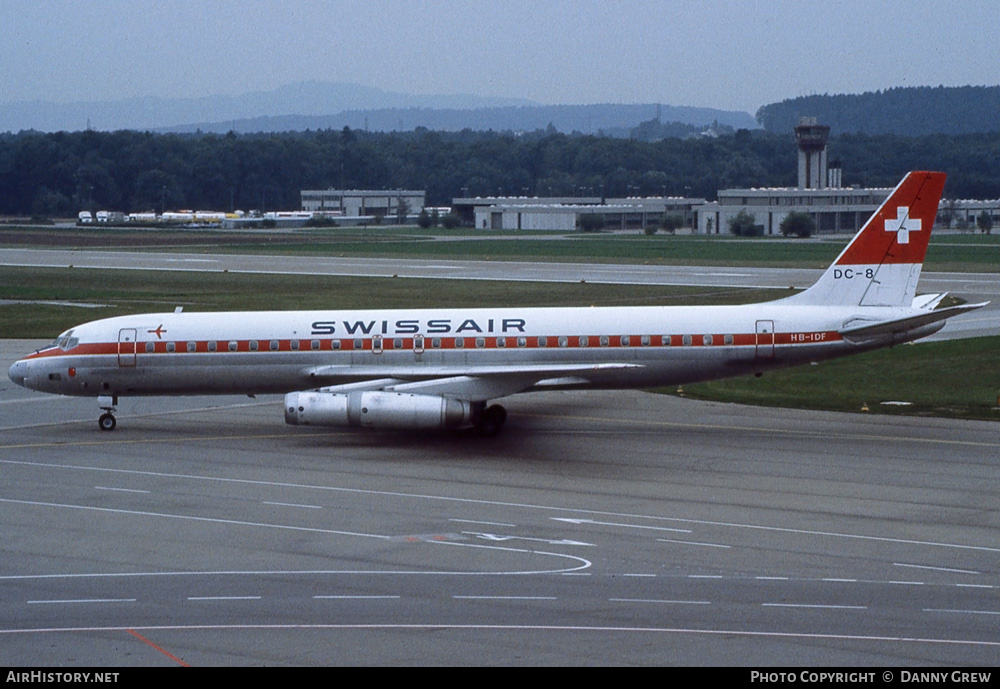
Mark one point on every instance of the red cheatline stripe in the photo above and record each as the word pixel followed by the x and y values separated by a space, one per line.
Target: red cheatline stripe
pixel 158 648
pixel 388 343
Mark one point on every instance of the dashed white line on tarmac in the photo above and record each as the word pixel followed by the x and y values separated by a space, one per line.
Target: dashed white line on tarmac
pixel 821 607
pixel 82 600
pixel 659 600
pixel 292 504
pixel 200 598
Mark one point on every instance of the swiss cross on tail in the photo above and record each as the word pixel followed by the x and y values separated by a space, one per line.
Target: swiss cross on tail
pixel 903 225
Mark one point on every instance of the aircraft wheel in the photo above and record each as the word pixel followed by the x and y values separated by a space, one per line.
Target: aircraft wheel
pixel 107 422
pixel 492 421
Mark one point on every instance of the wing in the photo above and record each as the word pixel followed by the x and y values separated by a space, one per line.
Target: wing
pixel 471 383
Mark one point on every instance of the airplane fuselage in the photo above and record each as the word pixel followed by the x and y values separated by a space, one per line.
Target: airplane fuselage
pixel 279 352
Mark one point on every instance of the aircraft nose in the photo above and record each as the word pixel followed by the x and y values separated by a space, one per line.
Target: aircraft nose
pixel 18 371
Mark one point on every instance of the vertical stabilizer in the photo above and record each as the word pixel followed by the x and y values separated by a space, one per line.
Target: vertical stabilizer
pixel 881 265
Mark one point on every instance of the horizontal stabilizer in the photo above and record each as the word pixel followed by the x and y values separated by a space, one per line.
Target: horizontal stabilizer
pixel 901 325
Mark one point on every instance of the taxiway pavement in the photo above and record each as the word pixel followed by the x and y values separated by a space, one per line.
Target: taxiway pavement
pixel 602 528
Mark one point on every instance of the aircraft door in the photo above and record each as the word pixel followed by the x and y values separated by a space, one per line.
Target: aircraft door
pixel 765 339
pixel 126 347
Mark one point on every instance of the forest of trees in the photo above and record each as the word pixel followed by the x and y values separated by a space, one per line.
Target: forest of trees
pixel 906 111
pixel 58 174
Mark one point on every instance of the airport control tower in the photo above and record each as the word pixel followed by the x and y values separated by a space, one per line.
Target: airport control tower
pixel 812 153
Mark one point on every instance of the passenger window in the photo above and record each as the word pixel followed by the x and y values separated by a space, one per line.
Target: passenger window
pixel 604 340
pixel 584 341
pixel 171 347
pixel 644 340
pixel 543 341
pixel 522 342
pixel 480 342
pixel 665 340
pixel 706 340
pixel 459 343
pixel 314 344
pixel 436 342
pixel 397 343
pixel 150 347
pixel 686 340
pixel 625 341
pixel 728 339
pixel 233 345
pixel 274 345
pixel 253 345
pixel 213 346
pixel 359 343
pixel 334 344
pixel 192 346
pixel 563 341
pixel 294 345
pixel 501 342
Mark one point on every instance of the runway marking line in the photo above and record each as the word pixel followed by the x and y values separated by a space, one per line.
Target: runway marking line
pixel 82 600
pixel 201 598
pixel 937 569
pixel 807 605
pixel 706 545
pixel 656 600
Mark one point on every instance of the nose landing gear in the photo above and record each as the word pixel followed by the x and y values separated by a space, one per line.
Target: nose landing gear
pixel 107 420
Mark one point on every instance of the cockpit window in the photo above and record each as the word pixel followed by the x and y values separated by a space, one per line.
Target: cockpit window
pixel 66 341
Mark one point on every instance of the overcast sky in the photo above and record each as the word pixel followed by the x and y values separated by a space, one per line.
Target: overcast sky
pixel 731 55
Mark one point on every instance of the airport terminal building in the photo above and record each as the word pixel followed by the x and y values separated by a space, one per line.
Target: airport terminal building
pixel 361 203
pixel 819 193
pixel 835 209
pixel 565 213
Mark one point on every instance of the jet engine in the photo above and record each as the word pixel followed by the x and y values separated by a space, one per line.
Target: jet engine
pixel 376 410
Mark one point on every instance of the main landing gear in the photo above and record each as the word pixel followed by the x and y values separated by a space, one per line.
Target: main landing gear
pixel 489 420
pixel 107 420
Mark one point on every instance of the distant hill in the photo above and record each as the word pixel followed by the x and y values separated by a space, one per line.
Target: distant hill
pixel 320 105
pixel 907 111
pixel 309 98
pixel 613 120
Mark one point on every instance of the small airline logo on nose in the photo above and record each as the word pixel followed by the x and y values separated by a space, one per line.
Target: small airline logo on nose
pixel 902 225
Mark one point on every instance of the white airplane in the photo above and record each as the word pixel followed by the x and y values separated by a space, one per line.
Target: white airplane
pixel 440 368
